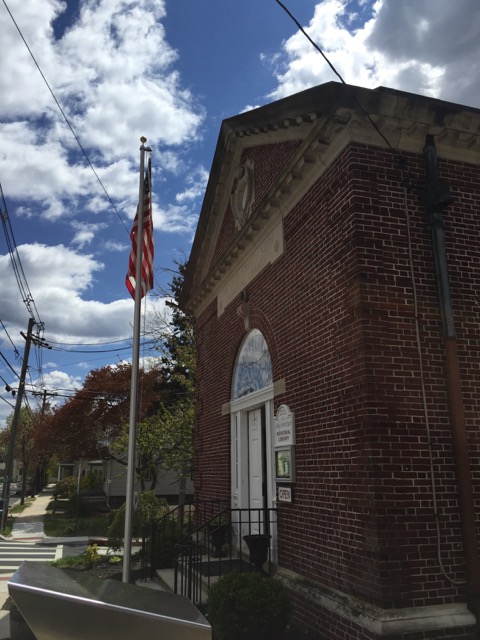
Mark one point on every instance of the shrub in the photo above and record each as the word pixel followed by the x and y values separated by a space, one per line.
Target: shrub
pixel 77 507
pixel 242 606
pixel 91 555
pixel 91 481
pixel 65 488
pixel 167 536
pixel 149 508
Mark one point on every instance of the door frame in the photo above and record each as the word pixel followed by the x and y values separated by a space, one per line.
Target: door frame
pixel 239 452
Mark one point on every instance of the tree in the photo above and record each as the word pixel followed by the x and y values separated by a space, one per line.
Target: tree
pixel 164 437
pixel 29 448
pixel 175 338
pixel 164 440
pixel 94 416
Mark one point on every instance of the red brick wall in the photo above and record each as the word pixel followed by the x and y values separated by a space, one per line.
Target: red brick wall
pixel 337 312
pixel 265 157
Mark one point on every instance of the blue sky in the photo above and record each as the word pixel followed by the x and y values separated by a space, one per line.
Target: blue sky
pixel 171 70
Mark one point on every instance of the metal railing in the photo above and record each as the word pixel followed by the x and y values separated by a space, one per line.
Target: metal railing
pixel 234 540
pixel 160 536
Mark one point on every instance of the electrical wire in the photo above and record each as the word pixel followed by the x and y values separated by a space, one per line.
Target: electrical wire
pixel 358 103
pixel 87 344
pixel 9 365
pixel 148 342
pixel 65 118
pixel 15 350
pixel 17 265
pixel 5 400
pixel 72 364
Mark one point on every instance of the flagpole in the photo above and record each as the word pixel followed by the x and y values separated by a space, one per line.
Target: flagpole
pixel 131 459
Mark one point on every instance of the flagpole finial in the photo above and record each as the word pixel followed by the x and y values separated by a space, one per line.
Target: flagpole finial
pixel 143 139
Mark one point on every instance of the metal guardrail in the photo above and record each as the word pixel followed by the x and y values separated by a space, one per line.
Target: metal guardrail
pixel 160 536
pixel 59 605
pixel 234 540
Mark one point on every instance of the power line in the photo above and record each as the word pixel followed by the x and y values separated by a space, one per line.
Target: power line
pixel 148 342
pixel 17 265
pixel 12 405
pixel 88 344
pixel 9 365
pixel 17 354
pixel 65 118
pixel 72 364
pixel 315 45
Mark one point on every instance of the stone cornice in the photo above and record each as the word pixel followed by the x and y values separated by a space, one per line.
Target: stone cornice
pixel 325 135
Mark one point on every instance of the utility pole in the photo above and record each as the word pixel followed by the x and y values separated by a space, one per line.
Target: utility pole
pixel 38 478
pixel 13 429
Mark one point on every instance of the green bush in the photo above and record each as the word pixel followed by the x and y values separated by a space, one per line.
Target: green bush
pixel 242 606
pixel 149 508
pixel 65 488
pixel 78 508
pixel 91 555
pixel 91 481
pixel 168 534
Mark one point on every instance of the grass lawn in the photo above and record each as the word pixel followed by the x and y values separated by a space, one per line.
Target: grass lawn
pixel 58 522
pixel 18 508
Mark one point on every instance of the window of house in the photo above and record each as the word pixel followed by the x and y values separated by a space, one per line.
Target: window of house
pixel 253 370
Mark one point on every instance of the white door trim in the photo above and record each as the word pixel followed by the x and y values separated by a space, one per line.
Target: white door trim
pixel 239 453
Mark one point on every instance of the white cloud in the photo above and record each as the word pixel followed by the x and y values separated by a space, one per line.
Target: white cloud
pixel 174 219
pixel 59 279
pixel 111 245
pixel 117 78
pixel 415 46
pixel 85 233
pixel 112 74
pixel 196 181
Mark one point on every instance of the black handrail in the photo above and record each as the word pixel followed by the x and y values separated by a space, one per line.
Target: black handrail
pixel 233 540
pixel 160 535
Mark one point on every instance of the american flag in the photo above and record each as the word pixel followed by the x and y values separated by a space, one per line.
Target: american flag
pixel 147 245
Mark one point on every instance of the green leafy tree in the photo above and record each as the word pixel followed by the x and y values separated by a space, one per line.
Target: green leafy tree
pixel 164 437
pixel 176 343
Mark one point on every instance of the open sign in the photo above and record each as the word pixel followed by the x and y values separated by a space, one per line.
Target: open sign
pixel 284 494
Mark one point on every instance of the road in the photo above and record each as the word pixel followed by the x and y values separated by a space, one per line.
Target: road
pixel 12 554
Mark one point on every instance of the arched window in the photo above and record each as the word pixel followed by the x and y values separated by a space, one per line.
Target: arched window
pixel 253 370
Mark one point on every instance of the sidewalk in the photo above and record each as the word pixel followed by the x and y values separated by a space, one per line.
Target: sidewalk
pixel 28 527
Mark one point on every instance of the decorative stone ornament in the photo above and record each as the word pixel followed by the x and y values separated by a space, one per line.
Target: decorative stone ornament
pixel 243 312
pixel 242 196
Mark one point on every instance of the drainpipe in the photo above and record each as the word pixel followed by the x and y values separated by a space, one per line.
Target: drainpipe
pixel 436 196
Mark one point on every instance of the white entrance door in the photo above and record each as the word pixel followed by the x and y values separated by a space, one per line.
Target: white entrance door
pixel 256 468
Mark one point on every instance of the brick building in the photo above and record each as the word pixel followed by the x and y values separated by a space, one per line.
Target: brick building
pixel 335 279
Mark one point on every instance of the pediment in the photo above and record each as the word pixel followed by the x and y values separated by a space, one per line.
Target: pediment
pixel 268 158
pixel 245 198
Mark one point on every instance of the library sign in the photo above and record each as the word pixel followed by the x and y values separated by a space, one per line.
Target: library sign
pixel 284 428
pixel 284 443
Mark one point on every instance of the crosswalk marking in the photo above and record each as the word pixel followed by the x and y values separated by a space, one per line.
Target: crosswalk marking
pixel 13 554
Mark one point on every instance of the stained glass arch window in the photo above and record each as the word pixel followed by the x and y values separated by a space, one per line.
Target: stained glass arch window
pixel 253 370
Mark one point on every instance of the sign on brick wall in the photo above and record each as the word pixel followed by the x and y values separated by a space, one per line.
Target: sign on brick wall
pixel 283 427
